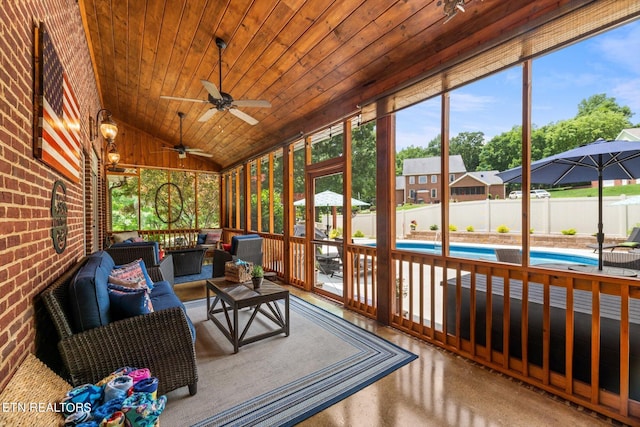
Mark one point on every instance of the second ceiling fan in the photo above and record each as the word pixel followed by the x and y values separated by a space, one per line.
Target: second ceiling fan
pixel 223 101
pixel 182 149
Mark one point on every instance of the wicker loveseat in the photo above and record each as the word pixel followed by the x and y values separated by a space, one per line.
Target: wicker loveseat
pixel 162 340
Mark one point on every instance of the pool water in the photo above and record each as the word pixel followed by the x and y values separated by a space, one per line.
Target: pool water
pixel 487 253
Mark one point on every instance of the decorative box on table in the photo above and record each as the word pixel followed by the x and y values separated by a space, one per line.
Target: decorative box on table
pixel 238 271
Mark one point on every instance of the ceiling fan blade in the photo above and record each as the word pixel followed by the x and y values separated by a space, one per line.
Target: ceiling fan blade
pixel 244 116
pixel 192 150
pixel 199 153
pixel 259 103
pixel 208 114
pixel 211 88
pixel 175 98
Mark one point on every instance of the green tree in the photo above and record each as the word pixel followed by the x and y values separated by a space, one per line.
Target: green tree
pixel 363 179
pixel 600 102
pixel 468 145
pixel 502 151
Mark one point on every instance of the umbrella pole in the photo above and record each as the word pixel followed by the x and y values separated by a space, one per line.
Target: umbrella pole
pixel 600 236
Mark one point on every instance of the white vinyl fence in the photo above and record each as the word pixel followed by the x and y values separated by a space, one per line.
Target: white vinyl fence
pixel 548 216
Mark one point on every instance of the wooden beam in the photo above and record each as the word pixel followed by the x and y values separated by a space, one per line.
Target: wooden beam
pixel 386 215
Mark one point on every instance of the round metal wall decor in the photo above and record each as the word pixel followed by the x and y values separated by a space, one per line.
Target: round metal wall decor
pixel 169 203
pixel 59 213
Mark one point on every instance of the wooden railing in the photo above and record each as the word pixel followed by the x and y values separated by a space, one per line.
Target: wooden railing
pixel 539 330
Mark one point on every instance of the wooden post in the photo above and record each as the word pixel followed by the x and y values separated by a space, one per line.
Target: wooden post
pixel 386 216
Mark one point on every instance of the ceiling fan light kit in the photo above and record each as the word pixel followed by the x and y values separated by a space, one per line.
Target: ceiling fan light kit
pixel 222 101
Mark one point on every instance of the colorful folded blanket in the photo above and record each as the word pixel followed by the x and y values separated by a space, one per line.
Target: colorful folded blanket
pixel 117 387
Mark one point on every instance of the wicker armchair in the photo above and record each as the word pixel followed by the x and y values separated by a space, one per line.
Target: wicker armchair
pixel 512 256
pixel 147 251
pixel 160 341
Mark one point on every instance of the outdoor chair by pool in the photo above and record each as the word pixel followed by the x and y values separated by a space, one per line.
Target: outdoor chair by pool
pixel 512 256
pixel 633 241
pixel 622 259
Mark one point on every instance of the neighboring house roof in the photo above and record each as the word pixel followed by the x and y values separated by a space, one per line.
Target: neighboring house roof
pixel 632 134
pixel 400 181
pixel 485 177
pixel 431 165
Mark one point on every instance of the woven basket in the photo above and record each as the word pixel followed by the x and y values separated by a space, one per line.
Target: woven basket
pixel 33 384
pixel 237 273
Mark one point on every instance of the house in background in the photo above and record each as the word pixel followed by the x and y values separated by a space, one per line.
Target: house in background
pixel 422 178
pixel 477 186
pixel 400 187
pixel 632 134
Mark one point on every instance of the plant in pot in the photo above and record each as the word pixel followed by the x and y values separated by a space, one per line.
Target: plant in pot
pixel 257 274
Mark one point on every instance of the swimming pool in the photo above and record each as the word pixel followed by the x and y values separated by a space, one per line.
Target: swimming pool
pixel 487 253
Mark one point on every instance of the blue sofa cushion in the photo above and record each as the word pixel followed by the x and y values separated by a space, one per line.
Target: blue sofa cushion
pixel 88 293
pixel 163 297
pixel 202 237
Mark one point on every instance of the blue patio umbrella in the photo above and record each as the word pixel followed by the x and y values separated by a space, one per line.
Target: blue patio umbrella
pixel 596 161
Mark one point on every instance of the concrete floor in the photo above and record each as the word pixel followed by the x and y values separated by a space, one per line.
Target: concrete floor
pixel 442 389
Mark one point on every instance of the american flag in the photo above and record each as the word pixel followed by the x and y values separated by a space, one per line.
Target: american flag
pixel 59 125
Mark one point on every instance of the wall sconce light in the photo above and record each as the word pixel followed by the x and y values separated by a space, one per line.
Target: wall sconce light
pixel 108 128
pixel 113 157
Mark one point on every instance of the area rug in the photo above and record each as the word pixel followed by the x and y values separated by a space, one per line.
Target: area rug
pixel 205 273
pixel 280 381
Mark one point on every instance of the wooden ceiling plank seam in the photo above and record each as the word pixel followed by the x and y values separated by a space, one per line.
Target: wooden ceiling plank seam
pixel 150 41
pixel 105 56
pixel 167 36
pixel 120 51
pixel 135 31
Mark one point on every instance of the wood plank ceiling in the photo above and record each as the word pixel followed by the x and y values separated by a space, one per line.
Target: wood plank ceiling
pixel 315 61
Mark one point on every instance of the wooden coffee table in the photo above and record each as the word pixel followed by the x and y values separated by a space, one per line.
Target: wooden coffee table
pixel 231 297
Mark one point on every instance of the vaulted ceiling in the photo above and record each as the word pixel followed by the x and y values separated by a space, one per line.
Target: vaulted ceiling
pixel 315 61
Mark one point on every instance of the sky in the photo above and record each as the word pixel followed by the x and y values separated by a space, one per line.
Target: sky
pixel 606 63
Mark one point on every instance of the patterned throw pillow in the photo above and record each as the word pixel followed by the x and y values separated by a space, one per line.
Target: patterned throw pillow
pixel 135 272
pixel 212 238
pixel 132 284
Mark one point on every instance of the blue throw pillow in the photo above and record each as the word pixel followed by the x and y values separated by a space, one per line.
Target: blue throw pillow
pixel 128 302
pixel 202 237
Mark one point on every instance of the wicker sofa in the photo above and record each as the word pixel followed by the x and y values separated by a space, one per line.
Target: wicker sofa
pixel 162 340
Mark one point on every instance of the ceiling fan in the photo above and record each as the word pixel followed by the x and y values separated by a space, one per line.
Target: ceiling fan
pixel 181 149
pixel 223 101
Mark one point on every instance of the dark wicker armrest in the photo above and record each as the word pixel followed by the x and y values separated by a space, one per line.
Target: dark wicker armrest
pixel 163 271
pixel 160 341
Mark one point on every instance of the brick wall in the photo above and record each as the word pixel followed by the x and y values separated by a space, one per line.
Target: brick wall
pixel 28 262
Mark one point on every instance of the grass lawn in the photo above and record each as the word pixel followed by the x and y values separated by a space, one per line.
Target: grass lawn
pixel 629 190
